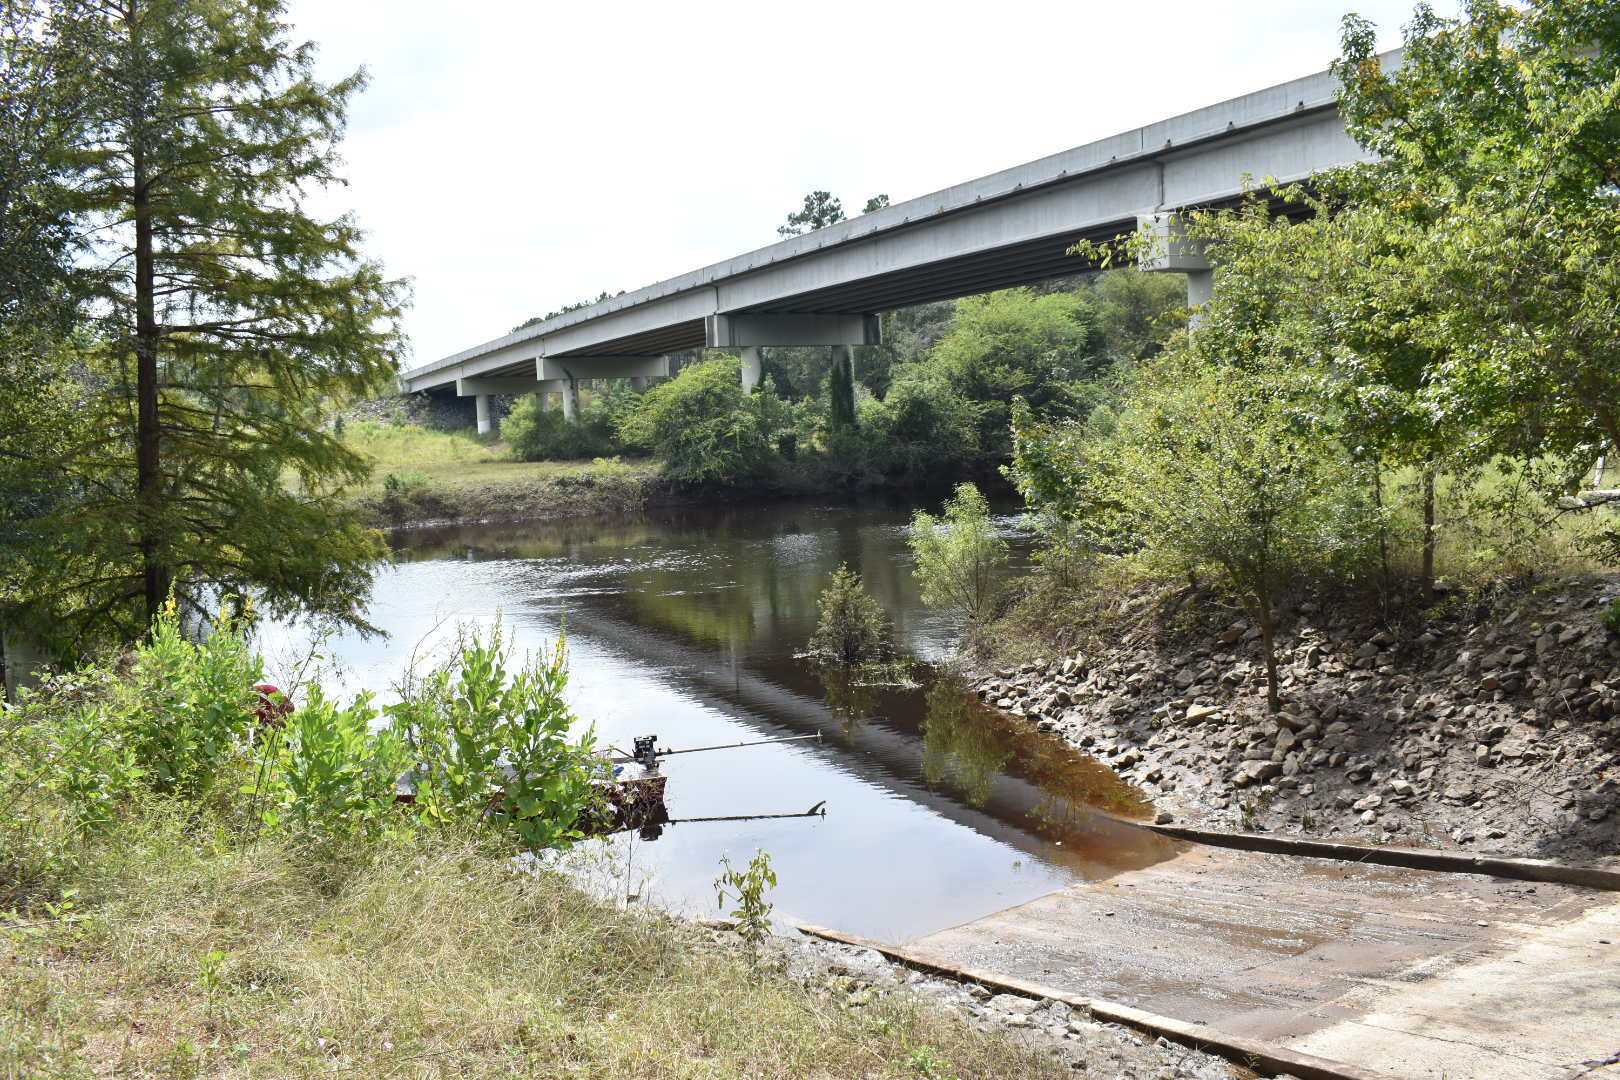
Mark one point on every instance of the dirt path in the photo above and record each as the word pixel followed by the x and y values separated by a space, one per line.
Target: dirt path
pixel 1406 972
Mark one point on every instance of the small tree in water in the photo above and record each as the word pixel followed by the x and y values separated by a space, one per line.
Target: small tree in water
pixel 959 555
pixel 853 627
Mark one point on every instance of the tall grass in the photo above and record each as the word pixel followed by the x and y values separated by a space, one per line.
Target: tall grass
pixel 184 954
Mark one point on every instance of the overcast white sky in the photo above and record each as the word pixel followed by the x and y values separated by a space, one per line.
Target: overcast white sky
pixel 510 158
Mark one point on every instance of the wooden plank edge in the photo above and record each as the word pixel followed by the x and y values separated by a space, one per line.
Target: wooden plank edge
pixel 1454 862
pixel 1239 1049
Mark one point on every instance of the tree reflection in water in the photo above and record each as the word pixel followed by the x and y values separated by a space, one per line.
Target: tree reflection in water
pixel 959 744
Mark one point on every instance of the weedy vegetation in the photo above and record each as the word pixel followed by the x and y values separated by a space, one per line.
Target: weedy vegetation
pixel 191 886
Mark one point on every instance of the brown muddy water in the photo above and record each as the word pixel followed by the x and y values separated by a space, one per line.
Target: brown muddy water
pixel 686 624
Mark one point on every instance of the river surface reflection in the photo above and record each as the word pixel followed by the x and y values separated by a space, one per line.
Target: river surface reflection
pixel 686 624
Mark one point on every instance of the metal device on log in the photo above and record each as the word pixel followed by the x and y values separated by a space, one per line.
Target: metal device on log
pixel 646 750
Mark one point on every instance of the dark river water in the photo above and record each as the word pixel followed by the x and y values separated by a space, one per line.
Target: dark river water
pixel 686 625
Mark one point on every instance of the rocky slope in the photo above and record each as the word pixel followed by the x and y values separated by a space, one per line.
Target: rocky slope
pixel 1493 725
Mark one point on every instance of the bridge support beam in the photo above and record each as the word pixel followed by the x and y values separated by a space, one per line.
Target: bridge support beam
pixel 1176 253
pixel 749 332
pixel 480 390
pixel 600 367
pixel 790 330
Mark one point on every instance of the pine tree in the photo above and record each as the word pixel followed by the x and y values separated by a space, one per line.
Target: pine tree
pixel 852 627
pixel 222 313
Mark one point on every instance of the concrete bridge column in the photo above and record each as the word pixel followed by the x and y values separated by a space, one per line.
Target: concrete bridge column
pixel 1200 287
pixel 638 384
pixel 481 404
pixel 1179 255
pixel 752 366
pixel 747 332
pixel 570 396
pixel 545 400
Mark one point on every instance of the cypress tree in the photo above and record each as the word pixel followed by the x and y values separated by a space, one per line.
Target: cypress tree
pixel 220 314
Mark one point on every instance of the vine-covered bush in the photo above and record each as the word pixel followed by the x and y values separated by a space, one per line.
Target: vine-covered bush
pixel 536 434
pixel 707 428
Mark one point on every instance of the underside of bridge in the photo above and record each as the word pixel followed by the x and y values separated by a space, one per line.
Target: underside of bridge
pixel 950 279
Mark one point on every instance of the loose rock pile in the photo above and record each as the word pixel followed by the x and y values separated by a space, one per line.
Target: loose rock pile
pixel 1500 730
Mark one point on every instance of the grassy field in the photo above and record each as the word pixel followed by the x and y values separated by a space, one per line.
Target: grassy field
pixel 170 949
pixel 451 459
pixel 421 474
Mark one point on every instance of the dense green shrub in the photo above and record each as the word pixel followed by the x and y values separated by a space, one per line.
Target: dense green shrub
pixel 335 773
pixel 924 426
pixel 1017 343
pixel 852 627
pixel 167 719
pixel 177 719
pixel 706 428
pixel 959 555
pixel 488 739
pixel 535 434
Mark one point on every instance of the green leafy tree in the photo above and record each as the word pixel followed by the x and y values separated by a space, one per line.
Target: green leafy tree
pixel 220 312
pixel 959 555
pixel 1227 467
pixel 840 395
pixel 1016 343
pixel 922 427
pixel 1135 312
pixel 534 433
pixel 851 627
pixel 876 202
pixel 1493 217
pixel 39 413
pixel 705 428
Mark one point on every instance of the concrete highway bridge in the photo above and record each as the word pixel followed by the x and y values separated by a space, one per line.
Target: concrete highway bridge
pixel 1013 227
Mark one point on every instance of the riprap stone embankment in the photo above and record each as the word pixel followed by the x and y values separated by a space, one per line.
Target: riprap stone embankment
pixel 1495 726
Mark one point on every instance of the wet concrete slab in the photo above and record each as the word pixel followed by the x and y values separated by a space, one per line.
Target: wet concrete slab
pixel 1410 973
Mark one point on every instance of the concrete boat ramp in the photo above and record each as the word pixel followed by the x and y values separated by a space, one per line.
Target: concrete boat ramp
pixel 1395 972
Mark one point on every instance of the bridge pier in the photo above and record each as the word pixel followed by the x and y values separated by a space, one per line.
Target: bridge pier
pixel 1176 254
pixel 752 366
pixel 748 332
pixel 638 384
pixel 570 400
pixel 481 406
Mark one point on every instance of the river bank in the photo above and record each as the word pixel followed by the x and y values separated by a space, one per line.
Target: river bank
pixel 1491 725
pixel 511 492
